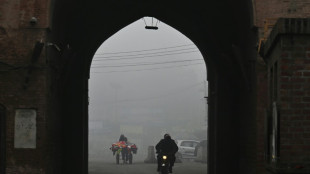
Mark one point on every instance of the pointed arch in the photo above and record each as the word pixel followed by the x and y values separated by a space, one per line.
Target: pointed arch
pixel 222 32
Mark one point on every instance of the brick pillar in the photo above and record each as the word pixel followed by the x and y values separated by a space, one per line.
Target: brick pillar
pixel 287 53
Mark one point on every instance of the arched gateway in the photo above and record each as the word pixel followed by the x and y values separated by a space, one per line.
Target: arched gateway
pixel 220 29
pixel 55 84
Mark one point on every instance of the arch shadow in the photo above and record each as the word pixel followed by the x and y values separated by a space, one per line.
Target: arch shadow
pixel 221 31
pixel 2 139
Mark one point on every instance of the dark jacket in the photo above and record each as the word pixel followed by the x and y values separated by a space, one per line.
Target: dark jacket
pixel 167 145
pixel 122 138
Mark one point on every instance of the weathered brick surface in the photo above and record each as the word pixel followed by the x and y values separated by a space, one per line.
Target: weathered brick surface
pixel 269 9
pixel 17 13
pixel 290 53
pixel 294 128
pixel 15 97
pixel 17 39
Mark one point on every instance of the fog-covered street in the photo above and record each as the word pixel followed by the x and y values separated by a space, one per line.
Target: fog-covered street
pixel 143 91
pixel 96 167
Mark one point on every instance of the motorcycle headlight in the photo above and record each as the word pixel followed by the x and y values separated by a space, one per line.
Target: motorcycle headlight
pixel 164 157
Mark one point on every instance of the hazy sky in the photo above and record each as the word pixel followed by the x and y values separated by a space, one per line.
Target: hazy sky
pixel 142 79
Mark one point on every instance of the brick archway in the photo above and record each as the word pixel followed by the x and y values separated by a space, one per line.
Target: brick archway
pixel 55 80
pixel 224 39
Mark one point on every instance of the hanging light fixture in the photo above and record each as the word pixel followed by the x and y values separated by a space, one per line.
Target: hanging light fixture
pixel 151 27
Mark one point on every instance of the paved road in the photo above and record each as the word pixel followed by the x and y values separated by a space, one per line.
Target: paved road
pixel 143 168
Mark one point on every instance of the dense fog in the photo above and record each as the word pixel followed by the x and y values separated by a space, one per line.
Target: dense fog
pixel 143 84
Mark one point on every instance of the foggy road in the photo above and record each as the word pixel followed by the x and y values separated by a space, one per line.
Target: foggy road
pixel 143 168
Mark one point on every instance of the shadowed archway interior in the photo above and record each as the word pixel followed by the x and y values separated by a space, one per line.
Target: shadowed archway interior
pixel 222 32
pixel 2 139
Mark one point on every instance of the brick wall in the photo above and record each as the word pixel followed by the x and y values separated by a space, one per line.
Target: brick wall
pixel 267 12
pixel 22 86
pixel 16 14
pixel 288 62
pixel 16 93
pixel 265 9
pixel 17 39
pixel 295 100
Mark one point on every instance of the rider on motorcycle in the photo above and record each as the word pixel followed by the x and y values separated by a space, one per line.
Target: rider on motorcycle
pixel 122 138
pixel 125 150
pixel 168 146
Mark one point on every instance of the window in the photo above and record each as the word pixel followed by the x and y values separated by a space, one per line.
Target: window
pixel 272 115
pixel 187 144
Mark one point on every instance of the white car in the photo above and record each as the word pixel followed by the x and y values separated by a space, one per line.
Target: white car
pixel 186 148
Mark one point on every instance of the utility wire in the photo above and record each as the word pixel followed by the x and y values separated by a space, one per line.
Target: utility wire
pixel 146 49
pixel 130 55
pixel 153 63
pixel 141 57
pixel 140 63
pixel 149 69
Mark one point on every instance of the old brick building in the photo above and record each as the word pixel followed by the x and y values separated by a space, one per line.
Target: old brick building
pixel 259 100
pixel 286 53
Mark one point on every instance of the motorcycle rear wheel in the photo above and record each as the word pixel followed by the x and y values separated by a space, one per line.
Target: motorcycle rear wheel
pixel 117 158
pixel 130 158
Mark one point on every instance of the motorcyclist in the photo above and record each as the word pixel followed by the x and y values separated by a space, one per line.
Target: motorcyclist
pixel 122 138
pixel 125 150
pixel 168 146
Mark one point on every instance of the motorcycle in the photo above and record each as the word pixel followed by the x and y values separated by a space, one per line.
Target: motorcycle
pixel 118 150
pixel 117 156
pixel 129 155
pixel 164 163
pixel 124 150
pixel 131 149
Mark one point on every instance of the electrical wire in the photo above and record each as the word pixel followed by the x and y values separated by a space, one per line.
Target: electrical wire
pixel 148 69
pixel 153 63
pixel 141 57
pixel 143 54
pixel 163 48
pixel 154 53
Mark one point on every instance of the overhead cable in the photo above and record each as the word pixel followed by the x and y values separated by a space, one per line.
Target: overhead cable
pixel 145 49
pixel 141 57
pixel 147 69
pixel 152 63
pixel 152 53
